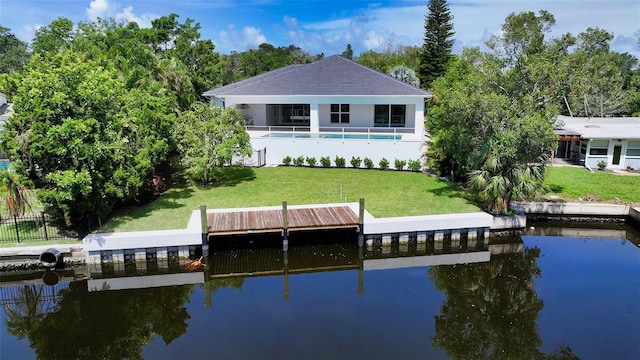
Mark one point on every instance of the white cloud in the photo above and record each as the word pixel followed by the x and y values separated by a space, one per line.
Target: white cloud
pixel 143 20
pixel 250 38
pixel 474 21
pixel 98 9
pixel 104 9
pixel 372 28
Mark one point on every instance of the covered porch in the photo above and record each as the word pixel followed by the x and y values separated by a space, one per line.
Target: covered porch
pixel 344 117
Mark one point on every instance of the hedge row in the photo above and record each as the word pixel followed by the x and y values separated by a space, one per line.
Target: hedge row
pixel 356 162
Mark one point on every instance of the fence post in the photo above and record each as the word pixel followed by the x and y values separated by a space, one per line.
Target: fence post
pixel 44 224
pixel 15 221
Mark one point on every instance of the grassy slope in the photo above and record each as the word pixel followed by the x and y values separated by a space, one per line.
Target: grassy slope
pixel 579 184
pixel 386 193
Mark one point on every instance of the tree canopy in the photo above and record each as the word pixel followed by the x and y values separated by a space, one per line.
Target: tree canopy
pixel 438 42
pixel 208 138
pixel 14 53
pixel 86 140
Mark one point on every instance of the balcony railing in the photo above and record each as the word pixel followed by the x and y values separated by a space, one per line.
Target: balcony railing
pixel 343 133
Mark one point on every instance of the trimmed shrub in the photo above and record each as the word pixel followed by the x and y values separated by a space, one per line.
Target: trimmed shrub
pixel 356 161
pixel 602 165
pixel 340 162
pixel 383 164
pixel 368 163
pixel 299 161
pixel 414 165
pixel 286 160
pixel 311 161
pixel 325 161
pixel 399 164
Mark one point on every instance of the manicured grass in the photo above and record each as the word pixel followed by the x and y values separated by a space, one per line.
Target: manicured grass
pixel 577 183
pixel 386 193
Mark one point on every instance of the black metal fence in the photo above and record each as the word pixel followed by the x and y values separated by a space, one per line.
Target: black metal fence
pixel 33 227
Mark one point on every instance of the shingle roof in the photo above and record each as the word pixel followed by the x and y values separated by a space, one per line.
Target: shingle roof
pixel 334 75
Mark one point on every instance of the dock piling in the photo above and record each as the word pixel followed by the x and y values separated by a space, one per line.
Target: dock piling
pixel 361 222
pixel 205 230
pixel 285 227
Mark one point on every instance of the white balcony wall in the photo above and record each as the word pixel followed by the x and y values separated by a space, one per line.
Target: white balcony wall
pixel 278 148
pixel 362 108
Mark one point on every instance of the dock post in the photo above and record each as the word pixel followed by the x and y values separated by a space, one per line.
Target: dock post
pixel 205 230
pixel 285 261
pixel 361 222
pixel 360 270
pixel 285 227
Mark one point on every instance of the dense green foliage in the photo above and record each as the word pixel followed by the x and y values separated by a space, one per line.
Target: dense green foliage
pixel 14 53
pixel 389 57
pixel 266 58
pixel 84 138
pixel 438 41
pixel 208 138
pixel 492 120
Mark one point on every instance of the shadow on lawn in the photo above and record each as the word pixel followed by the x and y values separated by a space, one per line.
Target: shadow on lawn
pixel 232 176
pixel 452 191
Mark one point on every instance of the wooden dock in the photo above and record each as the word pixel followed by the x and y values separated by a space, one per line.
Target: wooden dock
pixel 271 221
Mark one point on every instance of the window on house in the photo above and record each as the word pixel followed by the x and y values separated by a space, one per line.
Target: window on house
pixel 340 113
pixel 599 147
pixel 583 148
pixel 633 148
pixel 389 115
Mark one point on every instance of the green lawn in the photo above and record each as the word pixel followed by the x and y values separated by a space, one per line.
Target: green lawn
pixel 577 183
pixel 386 193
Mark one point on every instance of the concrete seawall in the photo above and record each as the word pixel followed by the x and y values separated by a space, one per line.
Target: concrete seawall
pixel 562 210
pixel 573 209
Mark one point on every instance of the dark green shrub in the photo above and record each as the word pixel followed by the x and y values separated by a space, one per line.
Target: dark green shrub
pixel 356 161
pixel 340 162
pixel 368 163
pixel 399 164
pixel 383 164
pixel 311 161
pixel 325 161
pixel 414 165
pixel 286 160
pixel 299 161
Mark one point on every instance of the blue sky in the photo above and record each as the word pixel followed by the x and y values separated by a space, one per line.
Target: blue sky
pixel 329 25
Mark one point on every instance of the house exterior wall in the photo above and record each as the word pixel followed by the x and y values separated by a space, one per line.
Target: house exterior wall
pixel 361 109
pixel 278 148
pixel 361 116
pixel 626 160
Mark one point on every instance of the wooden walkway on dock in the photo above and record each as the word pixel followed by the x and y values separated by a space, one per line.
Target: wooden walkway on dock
pixel 270 221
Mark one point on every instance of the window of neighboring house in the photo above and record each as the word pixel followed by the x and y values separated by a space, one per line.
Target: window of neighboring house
pixel 633 148
pixel 599 147
pixel 583 147
pixel 389 115
pixel 340 113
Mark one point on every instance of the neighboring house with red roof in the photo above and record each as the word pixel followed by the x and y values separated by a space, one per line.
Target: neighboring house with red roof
pixel 588 141
pixel 332 107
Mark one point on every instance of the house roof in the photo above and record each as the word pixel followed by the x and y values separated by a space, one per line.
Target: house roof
pixel 601 128
pixel 333 75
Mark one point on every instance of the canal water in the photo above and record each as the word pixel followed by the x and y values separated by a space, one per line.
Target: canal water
pixel 553 293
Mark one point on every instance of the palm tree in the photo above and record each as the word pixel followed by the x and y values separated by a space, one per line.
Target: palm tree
pixel 502 178
pixel 405 74
pixel 26 312
pixel 16 199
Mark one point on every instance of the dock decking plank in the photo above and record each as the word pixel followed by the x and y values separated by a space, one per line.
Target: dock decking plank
pixel 239 222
